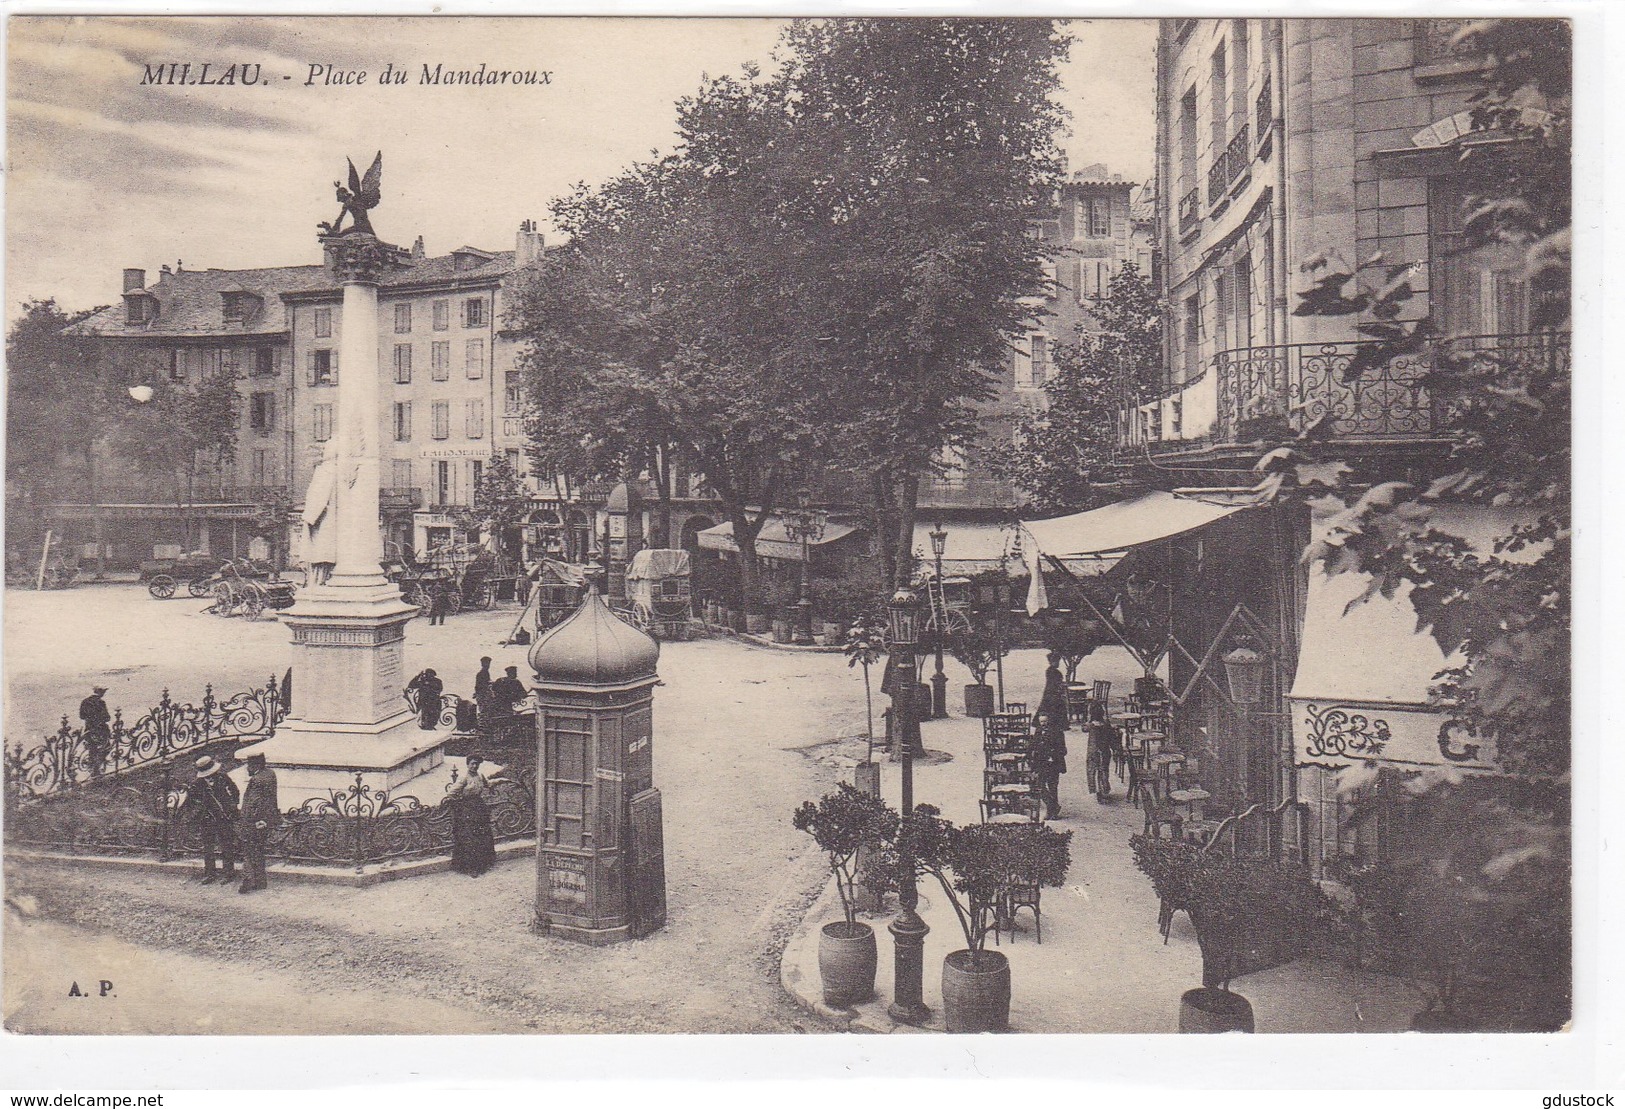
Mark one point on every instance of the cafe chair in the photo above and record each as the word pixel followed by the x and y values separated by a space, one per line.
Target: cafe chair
pixel 1022 897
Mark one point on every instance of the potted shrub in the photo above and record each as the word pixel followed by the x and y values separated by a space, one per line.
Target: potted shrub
pixel 976 866
pixel 1248 914
pixel 1075 638
pixel 843 822
pixel 976 651
pixel 865 643
pixel 784 624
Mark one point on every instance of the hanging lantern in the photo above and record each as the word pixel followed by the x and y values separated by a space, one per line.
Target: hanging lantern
pixel 903 611
pixel 1244 671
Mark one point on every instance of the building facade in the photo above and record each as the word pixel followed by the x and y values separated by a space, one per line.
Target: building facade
pixel 1092 225
pixel 1282 143
pixel 453 394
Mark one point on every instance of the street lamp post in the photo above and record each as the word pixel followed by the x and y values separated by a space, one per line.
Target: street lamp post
pixel 939 680
pixel 805 525
pixel 1001 602
pixel 908 930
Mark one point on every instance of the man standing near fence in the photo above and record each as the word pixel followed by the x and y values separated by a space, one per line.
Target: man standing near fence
pixel 95 718
pixel 260 815
pixel 211 803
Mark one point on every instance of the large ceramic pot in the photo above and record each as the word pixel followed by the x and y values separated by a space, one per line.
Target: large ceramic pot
pixel 756 623
pixel 976 996
pixel 783 631
pixel 833 633
pixel 847 960
pixel 1210 1010
pixel 979 700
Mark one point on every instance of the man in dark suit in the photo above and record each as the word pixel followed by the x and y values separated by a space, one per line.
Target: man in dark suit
pixel 260 815
pixel 507 691
pixel 1049 742
pixel 95 719
pixel 211 803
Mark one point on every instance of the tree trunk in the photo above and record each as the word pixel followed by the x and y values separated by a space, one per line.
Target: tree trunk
pixel 908 497
pixel 885 526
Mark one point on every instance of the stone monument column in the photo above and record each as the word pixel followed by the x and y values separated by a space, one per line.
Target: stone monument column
pixel 358 261
pixel 351 716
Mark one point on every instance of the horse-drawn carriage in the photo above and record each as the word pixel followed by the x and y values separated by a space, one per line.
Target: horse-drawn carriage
pixel 245 588
pixel 658 598
pixel 195 571
pixel 466 575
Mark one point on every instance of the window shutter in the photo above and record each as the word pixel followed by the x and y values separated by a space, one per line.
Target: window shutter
pixel 333 361
pixel 310 367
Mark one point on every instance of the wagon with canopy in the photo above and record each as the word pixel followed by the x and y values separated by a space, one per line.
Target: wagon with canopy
pixel 657 592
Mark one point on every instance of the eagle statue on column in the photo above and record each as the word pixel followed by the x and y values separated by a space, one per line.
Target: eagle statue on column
pixel 362 195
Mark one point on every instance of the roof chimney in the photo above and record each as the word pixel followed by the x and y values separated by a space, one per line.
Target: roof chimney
pixel 135 280
pixel 417 248
pixel 527 247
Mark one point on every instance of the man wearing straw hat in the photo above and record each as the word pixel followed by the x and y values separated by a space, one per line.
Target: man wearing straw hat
pixel 211 803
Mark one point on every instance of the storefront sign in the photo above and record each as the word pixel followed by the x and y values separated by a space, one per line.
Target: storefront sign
pixel 1335 735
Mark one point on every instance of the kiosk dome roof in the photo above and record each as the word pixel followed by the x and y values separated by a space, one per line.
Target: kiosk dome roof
pixel 593 646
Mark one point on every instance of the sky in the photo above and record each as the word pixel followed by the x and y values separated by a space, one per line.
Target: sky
pixel 105 172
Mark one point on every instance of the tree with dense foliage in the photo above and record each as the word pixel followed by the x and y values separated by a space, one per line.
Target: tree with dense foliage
pixel 930 145
pixel 500 503
pixel 671 323
pixel 1063 450
pixel 834 255
pixel 70 420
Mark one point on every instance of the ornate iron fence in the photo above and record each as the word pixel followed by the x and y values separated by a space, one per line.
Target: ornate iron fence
pixel 352 827
pixel 71 758
pixel 1298 385
pixel 1265 110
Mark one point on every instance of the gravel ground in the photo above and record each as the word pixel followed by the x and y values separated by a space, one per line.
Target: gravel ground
pixel 742 734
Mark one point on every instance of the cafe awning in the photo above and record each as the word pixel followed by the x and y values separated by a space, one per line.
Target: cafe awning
pixel 773 541
pixel 1118 527
pixel 1360 694
pixel 971 549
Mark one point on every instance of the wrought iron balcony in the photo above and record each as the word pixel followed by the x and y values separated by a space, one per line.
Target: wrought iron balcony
pixel 967 493
pixel 1189 215
pixel 400 496
pixel 1265 110
pixel 1217 181
pixel 1228 167
pixel 1300 384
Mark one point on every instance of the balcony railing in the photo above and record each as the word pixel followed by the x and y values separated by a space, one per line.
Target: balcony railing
pixel 400 496
pixel 969 493
pixel 1265 112
pixel 166 493
pixel 1188 211
pixel 1230 165
pixel 1301 384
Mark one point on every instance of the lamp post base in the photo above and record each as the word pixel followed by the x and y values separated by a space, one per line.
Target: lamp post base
pixel 908 936
pixel 939 696
pixel 803 635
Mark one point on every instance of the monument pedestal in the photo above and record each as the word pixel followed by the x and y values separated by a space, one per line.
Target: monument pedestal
pixel 350 715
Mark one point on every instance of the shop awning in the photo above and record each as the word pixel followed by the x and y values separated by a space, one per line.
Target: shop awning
pixel 773 541
pixel 1118 527
pixel 1360 694
pixel 972 548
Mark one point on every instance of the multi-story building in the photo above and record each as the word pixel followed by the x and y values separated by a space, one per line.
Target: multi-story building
pixel 1093 224
pixel 453 396
pixel 1279 142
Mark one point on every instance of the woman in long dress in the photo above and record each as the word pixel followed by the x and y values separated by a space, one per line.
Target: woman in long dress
pixel 473 848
